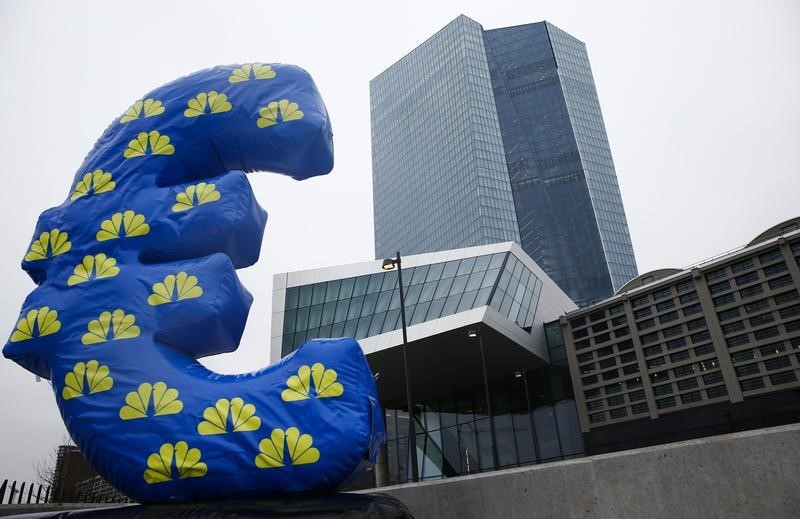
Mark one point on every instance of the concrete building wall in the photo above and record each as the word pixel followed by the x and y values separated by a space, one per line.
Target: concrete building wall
pixel 747 474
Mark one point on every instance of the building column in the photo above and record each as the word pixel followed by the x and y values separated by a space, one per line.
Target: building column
pixel 637 347
pixel 717 337
pixel 788 256
pixel 381 468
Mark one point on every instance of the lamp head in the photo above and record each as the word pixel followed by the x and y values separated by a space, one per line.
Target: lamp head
pixel 472 333
pixel 389 264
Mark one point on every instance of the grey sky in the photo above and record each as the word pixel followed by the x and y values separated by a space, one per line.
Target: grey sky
pixel 701 101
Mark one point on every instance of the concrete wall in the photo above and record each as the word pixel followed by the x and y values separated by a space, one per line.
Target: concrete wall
pixel 747 474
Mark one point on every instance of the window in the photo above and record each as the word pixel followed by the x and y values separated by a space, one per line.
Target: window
pixel 744 279
pixel 673 331
pixel 639 301
pixel 756 306
pixel 640 408
pixel 689 383
pixel 636 396
pixel 654 363
pixel 662 390
pixel 661 294
pixel 617 321
pixel 589 380
pixel 777 363
pixel 751 291
pixel 648 323
pixel 592 393
pixel 786 297
pixel 625 345
pixel 674 344
pixel 728 314
pixel 790 311
pixel 599 339
pixel 752 384
pixel 580 345
pixel 596 316
pixel 743 356
pixel 712 378
pixel 610 375
pixel 769 257
pixel 665 403
pixel 616 310
pixel 634 383
pixel 771 349
pixel 706 365
pixel 612 389
pixel 742 266
pixel 688 398
pixel 688 298
pixel 716 392
pixel 630 369
pixel 683 286
pixel 585 357
pixel 766 333
pixel 693 309
pixel 775 269
pixel 704 350
pixel 780 282
pixel 747 369
pixel 733 327
pixel 724 300
pixel 659 376
pixel 608 363
pixel 618 413
pixel 715 275
pixel 650 337
pixel 597 417
pixel 668 317
pixel 783 378
pixel 599 327
pixel 616 400
pixel 644 312
pixel 653 350
pixel 594 406
pixel 621 332
pixel 719 287
pixel 665 305
pixel 700 337
pixel 762 319
pixel 605 352
pixel 683 371
pixel 677 357
pixel 696 324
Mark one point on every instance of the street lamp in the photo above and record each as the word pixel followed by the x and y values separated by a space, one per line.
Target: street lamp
pixel 524 376
pixel 390 264
pixel 471 334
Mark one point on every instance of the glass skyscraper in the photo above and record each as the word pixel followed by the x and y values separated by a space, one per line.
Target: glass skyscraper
pixel 486 136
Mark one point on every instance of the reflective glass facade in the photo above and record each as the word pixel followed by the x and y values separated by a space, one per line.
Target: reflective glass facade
pixel 439 172
pixel 535 421
pixel 369 305
pixel 540 102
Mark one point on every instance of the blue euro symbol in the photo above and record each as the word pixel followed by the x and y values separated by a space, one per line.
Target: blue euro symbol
pixel 136 275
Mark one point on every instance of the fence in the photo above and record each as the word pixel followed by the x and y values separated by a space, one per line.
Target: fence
pixel 17 494
pixel 93 490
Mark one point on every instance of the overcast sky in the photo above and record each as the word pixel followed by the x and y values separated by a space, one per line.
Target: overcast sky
pixel 701 101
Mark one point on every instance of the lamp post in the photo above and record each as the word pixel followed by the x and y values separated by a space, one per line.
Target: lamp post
pixel 524 376
pixel 473 333
pixel 390 264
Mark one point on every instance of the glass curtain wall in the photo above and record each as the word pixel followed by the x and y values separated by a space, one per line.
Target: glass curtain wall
pixel 453 432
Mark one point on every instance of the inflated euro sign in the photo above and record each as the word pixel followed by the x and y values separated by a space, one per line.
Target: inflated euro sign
pixel 136 275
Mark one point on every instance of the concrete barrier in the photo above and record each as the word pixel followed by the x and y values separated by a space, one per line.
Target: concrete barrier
pixel 753 474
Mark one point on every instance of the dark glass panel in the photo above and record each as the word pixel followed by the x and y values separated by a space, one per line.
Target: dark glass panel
pixel 346 290
pixel 304 297
pixel 360 286
pixel 291 297
pixel 318 296
pixel 332 290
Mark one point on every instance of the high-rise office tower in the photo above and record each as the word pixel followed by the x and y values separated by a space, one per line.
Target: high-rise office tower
pixel 487 136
